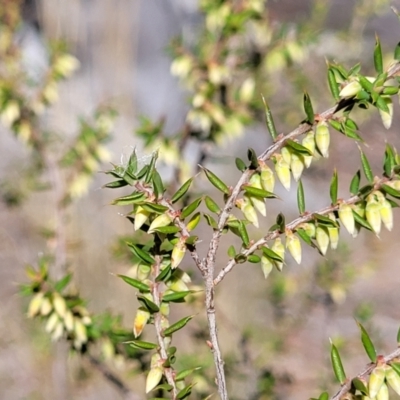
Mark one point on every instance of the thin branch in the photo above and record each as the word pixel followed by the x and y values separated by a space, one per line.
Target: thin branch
pixel 307 217
pixel 363 375
pixel 169 372
pixel 112 378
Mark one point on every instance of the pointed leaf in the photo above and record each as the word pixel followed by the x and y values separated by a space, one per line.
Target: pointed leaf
pixel 211 221
pixel 253 191
pixel 299 148
pixel 392 191
pixel 158 185
pixel 334 187
pixel 175 297
pixel 62 283
pixel 217 182
pixel 361 221
pixel 360 386
pixel 143 255
pixel 302 233
pixel 355 183
pixel 241 166
pixel 186 372
pixel 154 208
pixel 165 274
pixel 397 52
pixel 333 86
pixel 308 108
pixel 116 184
pixel 212 205
pixel 231 251
pixel 337 365
pixel 271 254
pixel 366 167
pixel 185 392
pixel 367 343
pixel 324 396
pixel 280 221
pixel 252 156
pixel 167 229
pixel 181 191
pixel 300 198
pixel 150 306
pixel 141 345
pixel 269 120
pixel 135 283
pixel 190 208
pixel 177 326
pixel 135 197
pixel 378 56
pixel 243 233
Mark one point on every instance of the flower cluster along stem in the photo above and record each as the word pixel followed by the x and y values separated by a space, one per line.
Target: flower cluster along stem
pixel 363 375
pixel 169 373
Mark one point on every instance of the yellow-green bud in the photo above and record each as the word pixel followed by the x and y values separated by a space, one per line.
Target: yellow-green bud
pixel 255 181
pixel 386 214
pixel 178 253
pixel 294 246
pixel 58 331
pixel 309 143
pixel 140 322
pixel 141 217
pixel 46 307
pixel 160 221
pixel 164 308
pixel 283 171
pixel 287 155
pixel 59 304
pixel 267 178
pixel 322 138
pixel 266 266
pixel 279 249
pixel 309 228
pixel 333 232
pixel 153 378
pixel 35 305
pixel 52 322
pixel 322 237
pixel 69 321
pixel 249 212
pixel 383 393
pixel 350 90
pixel 177 285
pixel 10 113
pixel 376 381
pixel 347 218
pixel 80 331
pixel 297 166
pixel 259 204
pixel 393 379
pixel 373 215
pixel 143 272
pixel 387 117
pixel 65 65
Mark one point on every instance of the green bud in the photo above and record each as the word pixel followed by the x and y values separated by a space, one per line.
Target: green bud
pixel 322 237
pixel 383 393
pixel 347 218
pixel 376 381
pixel 35 305
pixel 160 221
pixel 259 204
pixel 294 246
pixel 386 213
pixel 249 212
pixel 333 232
pixel 287 155
pixel 350 90
pixel 267 178
pixel 283 171
pixel 297 166
pixel 178 253
pixel 373 214
pixel 393 379
pixel 322 138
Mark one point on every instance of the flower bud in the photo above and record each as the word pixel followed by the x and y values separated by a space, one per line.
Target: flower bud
pixel 322 237
pixel 65 65
pixel 46 307
pixel 387 117
pixel 297 166
pixel 283 171
pixel 309 228
pixel 107 349
pixel 267 178
pixel 333 233
pixel 59 304
pixel 279 249
pixel 177 285
pixel 376 381
pixel 373 214
pixel 309 143
pixel 141 217
pixel 322 138
pixel 393 379
pixel 178 253
pixel 143 272
pixel 140 321
pixel 69 321
pixel 10 113
pixel 255 181
pixel 294 246
pixel 35 305
pixel 266 266
pixel 287 155
pixel 246 91
pixel 160 221
pixel 80 331
pixel 347 218
pixel 350 90
pixel 164 309
pixel 153 378
pixel 52 322
pixel 383 393
pixel 386 213
pixel 58 331
pixel 249 212
pixel 259 204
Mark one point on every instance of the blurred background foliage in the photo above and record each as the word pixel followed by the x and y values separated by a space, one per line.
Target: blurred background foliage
pixel 75 78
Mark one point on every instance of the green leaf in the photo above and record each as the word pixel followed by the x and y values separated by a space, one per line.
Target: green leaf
pixel 165 274
pixel 132 163
pixel 302 233
pixel 62 283
pixel 167 229
pixel 185 373
pixel 158 185
pixel 190 208
pixel 253 191
pixel 390 90
pixel 334 187
pixel 143 255
pixel 154 208
pixel 378 56
pixel 389 190
pixel 135 197
pixel 139 344
pixel 351 133
pixel 396 366
pixel 231 251
pixel 176 297
pixel 177 326
pixel 355 183
pixel 185 392
pixel 361 221
pixel 308 108
pixel 300 198
pixel 322 219
pixel 337 365
pixel 240 258
pixel 381 104
pixel 355 69
pixel 212 205
pixel 149 174
pixel 116 184
pixel 241 166
pixel 194 221
pixel 181 191
pixel 269 120
pixel 297 147
pixel 367 343
pixel 389 161
pixel 360 386
pixel 150 306
pixel 271 254
pixel 336 125
pixel 333 86
pixel 211 221
pixel 397 52
pixel 252 156
pixel 366 167
pixel 253 258
pixel 243 233
pixel 142 172
pixel 280 221
pixel 218 183
pixel 323 396
pixel 135 283
pixel 365 83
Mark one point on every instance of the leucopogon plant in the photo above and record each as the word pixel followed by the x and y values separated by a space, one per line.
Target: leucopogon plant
pixel 168 220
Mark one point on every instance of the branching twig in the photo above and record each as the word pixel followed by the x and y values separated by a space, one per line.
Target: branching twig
pixel 363 375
